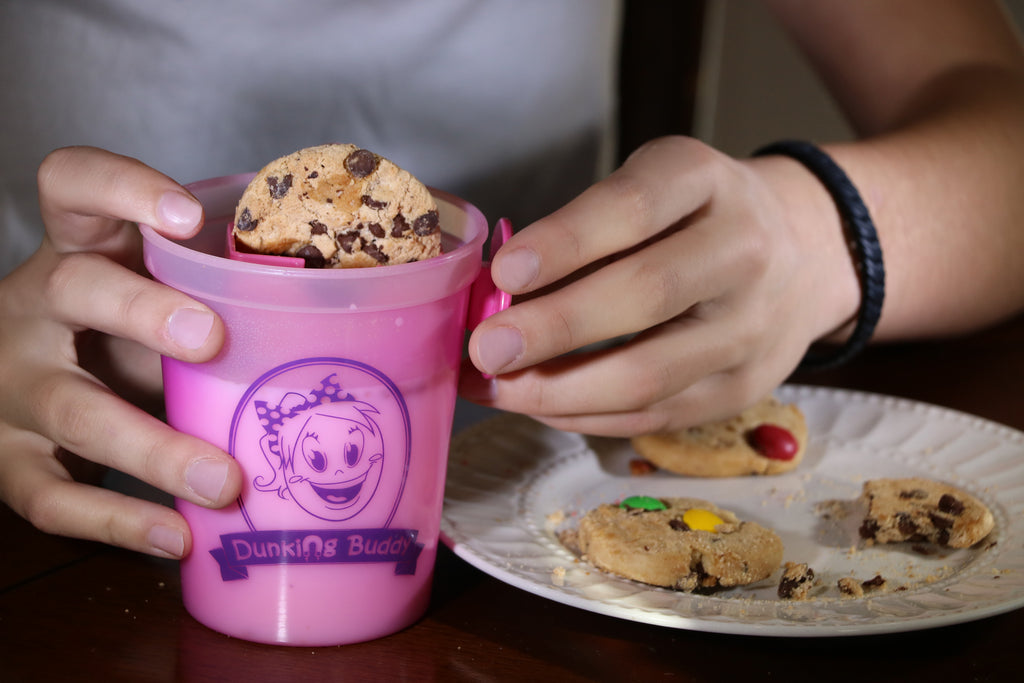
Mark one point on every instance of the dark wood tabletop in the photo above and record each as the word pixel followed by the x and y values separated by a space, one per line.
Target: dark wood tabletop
pixel 78 611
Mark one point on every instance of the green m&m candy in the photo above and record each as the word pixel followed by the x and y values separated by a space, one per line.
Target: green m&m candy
pixel 642 503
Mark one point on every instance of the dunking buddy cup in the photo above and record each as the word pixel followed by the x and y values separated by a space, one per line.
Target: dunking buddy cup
pixel 335 392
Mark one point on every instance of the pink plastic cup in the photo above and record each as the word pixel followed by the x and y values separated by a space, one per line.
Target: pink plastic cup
pixel 335 392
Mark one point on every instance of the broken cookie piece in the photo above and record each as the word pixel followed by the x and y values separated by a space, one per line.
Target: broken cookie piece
pixel 796 582
pixel 923 510
pixel 850 587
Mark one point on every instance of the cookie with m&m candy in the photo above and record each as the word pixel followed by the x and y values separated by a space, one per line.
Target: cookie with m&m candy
pixel 770 437
pixel 682 543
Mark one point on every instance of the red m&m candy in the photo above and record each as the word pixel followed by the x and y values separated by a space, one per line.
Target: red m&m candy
pixel 772 441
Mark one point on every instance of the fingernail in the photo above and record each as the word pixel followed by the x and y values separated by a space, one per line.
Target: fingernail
pixel 206 478
pixel 167 540
pixel 499 347
pixel 190 327
pixel 178 212
pixel 517 270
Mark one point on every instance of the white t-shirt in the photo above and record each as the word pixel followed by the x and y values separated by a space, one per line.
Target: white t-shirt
pixel 508 103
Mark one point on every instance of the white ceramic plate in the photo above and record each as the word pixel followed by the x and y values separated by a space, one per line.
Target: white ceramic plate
pixel 510 479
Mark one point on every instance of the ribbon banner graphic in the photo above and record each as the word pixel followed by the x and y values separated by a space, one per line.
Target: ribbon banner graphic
pixel 239 551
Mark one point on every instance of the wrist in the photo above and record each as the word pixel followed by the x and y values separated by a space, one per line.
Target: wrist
pixel 831 277
pixel 862 243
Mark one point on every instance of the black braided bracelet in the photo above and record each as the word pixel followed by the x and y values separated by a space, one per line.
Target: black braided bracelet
pixel 863 242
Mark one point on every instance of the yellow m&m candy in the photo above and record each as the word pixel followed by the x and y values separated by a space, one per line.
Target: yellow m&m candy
pixel 701 520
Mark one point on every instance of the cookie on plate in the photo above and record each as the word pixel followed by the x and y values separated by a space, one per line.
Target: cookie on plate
pixel 770 437
pixel 682 543
pixel 923 510
pixel 338 206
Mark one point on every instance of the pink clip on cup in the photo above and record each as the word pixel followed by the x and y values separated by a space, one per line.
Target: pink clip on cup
pixel 335 392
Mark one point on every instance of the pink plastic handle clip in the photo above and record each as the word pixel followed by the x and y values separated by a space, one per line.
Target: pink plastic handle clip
pixel 261 259
pixel 485 299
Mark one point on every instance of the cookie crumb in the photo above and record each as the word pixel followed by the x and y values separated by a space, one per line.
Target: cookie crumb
pixel 555 518
pixel 850 588
pixel 796 582
pixel 558 576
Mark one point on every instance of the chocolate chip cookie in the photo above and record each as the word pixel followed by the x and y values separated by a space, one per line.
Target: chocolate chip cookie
pixel 682 543
pixel 338 206
pixel 768 438
pixel 923 510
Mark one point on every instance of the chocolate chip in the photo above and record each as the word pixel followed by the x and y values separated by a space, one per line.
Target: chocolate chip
pixel 347 241
pixel 399 226
pixel 317 228
pixel 369 201
pixel 375 251
pixel 279 188
pixel 312 256
pixel 905 524
pixel 916 494
pixel 375 229
pixel 361 163
pixel 245 221
pixel 874 582
pixel 940 521
pixel 868 529
pixel 427 224
pixel 678 524
pixel 314 174
pixel 950 504
pixel 943 537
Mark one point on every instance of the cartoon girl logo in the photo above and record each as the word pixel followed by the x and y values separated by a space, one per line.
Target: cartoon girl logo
pixel 325 450
pixel 321 434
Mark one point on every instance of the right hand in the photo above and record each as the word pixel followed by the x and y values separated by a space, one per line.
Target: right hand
pixel 81 331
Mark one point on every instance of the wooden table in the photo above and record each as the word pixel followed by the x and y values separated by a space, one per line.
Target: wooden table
pixel 74 611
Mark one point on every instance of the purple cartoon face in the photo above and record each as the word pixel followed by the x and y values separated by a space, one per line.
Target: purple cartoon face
pixel 325 448
pixel 334 460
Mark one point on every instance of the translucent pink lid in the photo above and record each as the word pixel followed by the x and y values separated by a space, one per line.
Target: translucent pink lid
pixel 206 266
